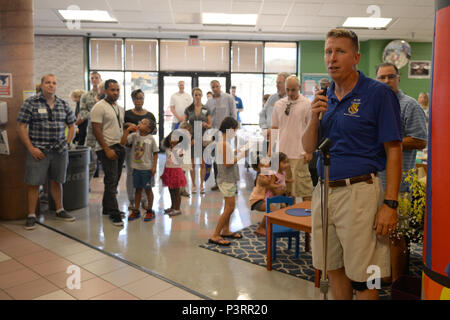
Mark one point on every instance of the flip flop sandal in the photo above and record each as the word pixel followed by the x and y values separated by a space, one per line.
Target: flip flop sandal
pixel 219 242
pixel 259 234
pixel 234 235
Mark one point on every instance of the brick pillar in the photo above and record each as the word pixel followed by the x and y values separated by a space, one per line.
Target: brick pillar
pixel 17 58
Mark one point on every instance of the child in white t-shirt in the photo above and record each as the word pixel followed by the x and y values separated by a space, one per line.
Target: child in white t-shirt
pixel 144 161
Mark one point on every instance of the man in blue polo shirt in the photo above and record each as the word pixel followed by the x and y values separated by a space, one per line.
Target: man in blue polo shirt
pixel 41 125
pixel 238 102
pixel 361 117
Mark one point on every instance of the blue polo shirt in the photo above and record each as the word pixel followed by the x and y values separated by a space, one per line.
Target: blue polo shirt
pixel 358 125
pixel 239 105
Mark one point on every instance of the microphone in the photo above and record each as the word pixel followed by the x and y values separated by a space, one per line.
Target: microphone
pixel 324 83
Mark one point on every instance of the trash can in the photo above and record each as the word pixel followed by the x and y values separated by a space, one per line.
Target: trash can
pixel 76 187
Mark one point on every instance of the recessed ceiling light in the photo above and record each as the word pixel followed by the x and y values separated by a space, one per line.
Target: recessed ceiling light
pixel 366 22
pixel 229 19
pixel 87 15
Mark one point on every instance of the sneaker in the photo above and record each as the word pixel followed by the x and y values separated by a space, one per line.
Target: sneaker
pixel 63 215
pixel 135 214
pixel 30 224
pixel 174 213
pixel 149 216
pixel 122 214
pixel 116 220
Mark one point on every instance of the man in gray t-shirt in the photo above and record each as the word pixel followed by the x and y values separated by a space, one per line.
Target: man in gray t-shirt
pixel 221 106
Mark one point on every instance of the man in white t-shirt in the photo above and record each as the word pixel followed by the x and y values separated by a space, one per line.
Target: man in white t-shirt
pixel 179 101
pixel 290 116
pixel 107 119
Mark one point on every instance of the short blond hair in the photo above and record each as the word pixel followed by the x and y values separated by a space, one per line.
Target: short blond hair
pixel 77 93
pixel 344 33
pixel 46 76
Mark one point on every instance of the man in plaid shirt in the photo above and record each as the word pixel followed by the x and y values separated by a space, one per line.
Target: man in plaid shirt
pixel 46 117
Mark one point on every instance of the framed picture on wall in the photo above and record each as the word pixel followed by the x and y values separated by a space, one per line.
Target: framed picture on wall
pixel 419 69
pixel 310 83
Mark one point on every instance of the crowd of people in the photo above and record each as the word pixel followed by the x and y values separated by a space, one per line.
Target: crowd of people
pixel 373 128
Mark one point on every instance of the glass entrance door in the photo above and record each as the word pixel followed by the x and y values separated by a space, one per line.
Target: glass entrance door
pixel 204 83
pixel 170 85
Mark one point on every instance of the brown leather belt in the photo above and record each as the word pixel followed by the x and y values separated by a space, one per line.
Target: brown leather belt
pixel 344 182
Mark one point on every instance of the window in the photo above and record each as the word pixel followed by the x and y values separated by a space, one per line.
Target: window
pixel 141 55
pixel 280 57
pixel 270 83
pixel 106 54
pixel 247 56
pixel 249 87
pixel 177 55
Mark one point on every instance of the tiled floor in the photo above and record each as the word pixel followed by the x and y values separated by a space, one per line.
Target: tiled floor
pixel 167 247
pixel 34 265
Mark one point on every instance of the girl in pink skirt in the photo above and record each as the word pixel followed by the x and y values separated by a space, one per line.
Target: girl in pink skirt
pixel 173 175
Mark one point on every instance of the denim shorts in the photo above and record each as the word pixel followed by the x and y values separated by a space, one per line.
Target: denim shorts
pixel 54 164
pixel 143 179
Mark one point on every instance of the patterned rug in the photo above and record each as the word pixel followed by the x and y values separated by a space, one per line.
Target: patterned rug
pixel 252 248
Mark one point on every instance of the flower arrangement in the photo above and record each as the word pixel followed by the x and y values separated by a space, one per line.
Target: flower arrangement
pixel 411 210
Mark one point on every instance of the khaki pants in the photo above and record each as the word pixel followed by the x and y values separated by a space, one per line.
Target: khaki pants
pixel 352 241
pixel 302 186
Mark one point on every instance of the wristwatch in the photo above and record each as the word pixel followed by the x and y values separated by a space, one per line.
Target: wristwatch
pixel 391 203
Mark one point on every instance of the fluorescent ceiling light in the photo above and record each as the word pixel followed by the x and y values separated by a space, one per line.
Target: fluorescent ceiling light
pixel 229 19
pixel 366 22
pixel 87 15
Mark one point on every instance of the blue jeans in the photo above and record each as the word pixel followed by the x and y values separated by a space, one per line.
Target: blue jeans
pixel 112 170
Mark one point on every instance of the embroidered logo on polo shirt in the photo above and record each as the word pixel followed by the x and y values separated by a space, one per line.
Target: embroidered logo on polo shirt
pixel 354 108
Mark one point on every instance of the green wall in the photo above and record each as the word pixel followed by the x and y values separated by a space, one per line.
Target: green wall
pixel 311 61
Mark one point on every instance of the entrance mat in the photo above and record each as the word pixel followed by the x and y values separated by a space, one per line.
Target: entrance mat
pixel 252 248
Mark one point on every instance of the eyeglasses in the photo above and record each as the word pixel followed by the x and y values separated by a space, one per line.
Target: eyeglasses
pixel 288 108
pixel 388 76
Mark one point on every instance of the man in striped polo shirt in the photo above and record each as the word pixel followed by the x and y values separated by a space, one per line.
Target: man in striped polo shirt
pixel 414 121
pixel 414 137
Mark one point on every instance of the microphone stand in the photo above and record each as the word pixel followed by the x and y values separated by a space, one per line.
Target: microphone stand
pixel 324 149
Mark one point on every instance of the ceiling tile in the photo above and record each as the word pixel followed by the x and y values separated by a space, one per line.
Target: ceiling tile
pixel 64 4
pixel 186 6
pixel 155 5
pixel 276 8
pixel 219 6
pixel 45 14
pixel 311 21
pixel 408 11
pixel 347 10
pixel 246 7
pixel 271 20
pixel 187 18
pixel 306 9
pixel 125 5
pixel 129 16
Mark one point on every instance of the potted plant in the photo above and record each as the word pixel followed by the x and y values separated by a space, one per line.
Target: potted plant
pixel 410 227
